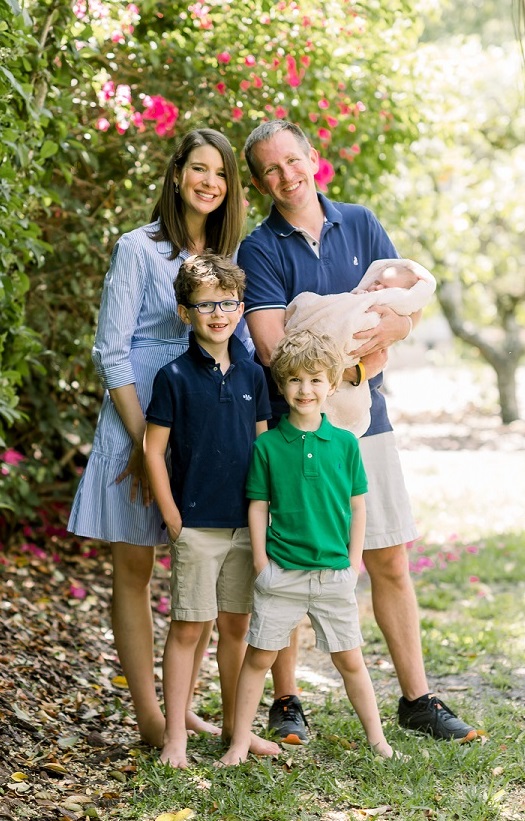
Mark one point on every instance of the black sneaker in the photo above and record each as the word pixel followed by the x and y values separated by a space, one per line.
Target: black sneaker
pixel 288 721
pixel 431 715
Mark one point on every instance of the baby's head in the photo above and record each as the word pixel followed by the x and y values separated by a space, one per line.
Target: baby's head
pixel 308 351
pixel 208 271
pixel 394 276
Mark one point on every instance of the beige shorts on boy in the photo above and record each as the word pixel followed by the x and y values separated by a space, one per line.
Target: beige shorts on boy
pixel 211 571
pixel 389 519
pixel 281 598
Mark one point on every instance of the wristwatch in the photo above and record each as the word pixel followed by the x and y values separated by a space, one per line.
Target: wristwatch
pixel 361 374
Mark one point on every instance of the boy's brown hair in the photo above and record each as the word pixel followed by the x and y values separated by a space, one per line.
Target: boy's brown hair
pixel 208 269
pixel 308 350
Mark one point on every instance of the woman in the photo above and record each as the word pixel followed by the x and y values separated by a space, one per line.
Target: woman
pixel 200 207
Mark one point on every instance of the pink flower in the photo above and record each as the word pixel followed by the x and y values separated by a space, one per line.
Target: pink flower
pixel 250 60
pixel 325 174
pixel 313 117
pixel 221 88
pixel 245 85
pixel 323 103
pixel 77 592
pixel 102 124
pixel 138 120
pixel 237 113
pixel 164 112
pixel 355 148
pixel 12 457
pixel 163 605
pixel 324 134
pixel 472 549
pixel 332 121
pixel 305 60
pixel 473 579
pixel 224 57
pixel 165 561
pixel 257 82
pixel 123 95
pixel 281 113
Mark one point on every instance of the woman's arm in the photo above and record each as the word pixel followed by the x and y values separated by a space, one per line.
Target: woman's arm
pixel 128 408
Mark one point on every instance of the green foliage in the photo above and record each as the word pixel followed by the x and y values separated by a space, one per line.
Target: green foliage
pixel 91 105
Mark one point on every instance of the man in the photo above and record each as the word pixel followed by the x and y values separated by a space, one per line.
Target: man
pixel 309 243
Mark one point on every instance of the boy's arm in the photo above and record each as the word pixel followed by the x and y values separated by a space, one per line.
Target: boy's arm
pixel 261 427
pixel 257 523
pixel 357 531
pixel 155 444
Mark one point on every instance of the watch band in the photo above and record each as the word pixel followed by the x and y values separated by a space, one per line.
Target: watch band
pixel 361 374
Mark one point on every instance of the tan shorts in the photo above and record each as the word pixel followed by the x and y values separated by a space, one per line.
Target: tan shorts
pixel 389 519
pixel 281 598
pixel 211 571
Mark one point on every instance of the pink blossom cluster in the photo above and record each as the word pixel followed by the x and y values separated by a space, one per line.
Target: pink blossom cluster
pixel 118 101
pixel 325 174
pixel 111 21
pixel 200 13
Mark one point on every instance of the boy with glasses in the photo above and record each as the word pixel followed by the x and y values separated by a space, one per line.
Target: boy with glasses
pixel 208 405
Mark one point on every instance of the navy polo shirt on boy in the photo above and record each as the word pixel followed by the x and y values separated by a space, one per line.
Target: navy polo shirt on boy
pixel 212 419
pixel 280 264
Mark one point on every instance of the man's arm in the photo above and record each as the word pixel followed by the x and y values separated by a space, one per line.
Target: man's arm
pixel 266 329
pixel 155 443
pixel 257 523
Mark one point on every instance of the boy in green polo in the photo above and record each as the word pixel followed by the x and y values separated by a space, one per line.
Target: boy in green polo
pixel 309 476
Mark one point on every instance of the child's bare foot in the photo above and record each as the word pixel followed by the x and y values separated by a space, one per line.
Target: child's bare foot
pixel 383 748
pixel 152 732
pixel 233 757
pixel 174 754
pixel 196 724
pixel 260 746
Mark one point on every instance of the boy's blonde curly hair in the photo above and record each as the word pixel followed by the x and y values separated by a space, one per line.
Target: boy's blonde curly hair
pixel 309 350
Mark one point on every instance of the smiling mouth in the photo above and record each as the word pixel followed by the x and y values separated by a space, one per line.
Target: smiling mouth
pixel 205 195
pixel 293 187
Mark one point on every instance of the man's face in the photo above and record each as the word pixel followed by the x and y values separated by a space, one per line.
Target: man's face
pixel 286 172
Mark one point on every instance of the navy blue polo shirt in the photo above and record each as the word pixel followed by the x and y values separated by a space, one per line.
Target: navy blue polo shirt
pixel 212 419
pixel 280 264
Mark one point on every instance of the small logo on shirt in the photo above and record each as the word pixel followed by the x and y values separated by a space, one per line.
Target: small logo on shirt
pixel 356 261
pixel 247 397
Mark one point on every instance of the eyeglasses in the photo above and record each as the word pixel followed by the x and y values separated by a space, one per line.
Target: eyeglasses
pixel 226 305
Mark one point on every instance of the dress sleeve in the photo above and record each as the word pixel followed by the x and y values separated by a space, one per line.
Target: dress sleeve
pixel 122 298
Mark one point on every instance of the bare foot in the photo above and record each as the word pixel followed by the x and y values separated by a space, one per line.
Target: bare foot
pixel 260 746
pixel 383 748
pixel 196 724
pixel 233 757
pixel 174 754
pixel 152 732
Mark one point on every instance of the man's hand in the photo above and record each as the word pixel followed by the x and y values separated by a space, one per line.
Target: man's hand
pixel 390 329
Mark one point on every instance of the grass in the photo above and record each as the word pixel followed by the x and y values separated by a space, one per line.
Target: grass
pixel 473 635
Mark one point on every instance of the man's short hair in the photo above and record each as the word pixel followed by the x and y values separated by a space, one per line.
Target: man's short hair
pixel 266 131
pixel 310 351
pixel 208 269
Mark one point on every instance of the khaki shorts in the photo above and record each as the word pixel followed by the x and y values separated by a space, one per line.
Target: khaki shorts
pixel 211 571
pixel 281 598
pixel 389 519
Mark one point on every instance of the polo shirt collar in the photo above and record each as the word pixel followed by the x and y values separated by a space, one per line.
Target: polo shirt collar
pixel 291 433
pixel 283 228
pixel 236 348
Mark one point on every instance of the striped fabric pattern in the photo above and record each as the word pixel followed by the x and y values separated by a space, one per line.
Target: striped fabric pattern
pixel 138 333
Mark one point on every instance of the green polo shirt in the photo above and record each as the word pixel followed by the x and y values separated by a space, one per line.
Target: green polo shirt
pixel 308 478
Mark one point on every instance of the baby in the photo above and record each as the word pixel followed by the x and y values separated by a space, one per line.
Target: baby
pixel 401 284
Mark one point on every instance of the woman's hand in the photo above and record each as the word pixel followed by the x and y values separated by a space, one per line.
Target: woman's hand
pixel 136 469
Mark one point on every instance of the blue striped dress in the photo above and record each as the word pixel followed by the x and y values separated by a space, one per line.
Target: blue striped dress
pixel 138 332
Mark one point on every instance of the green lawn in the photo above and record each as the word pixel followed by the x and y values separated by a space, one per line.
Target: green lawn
pixel 473 632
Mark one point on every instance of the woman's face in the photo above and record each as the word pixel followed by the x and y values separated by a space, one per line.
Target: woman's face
pixel 202 181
